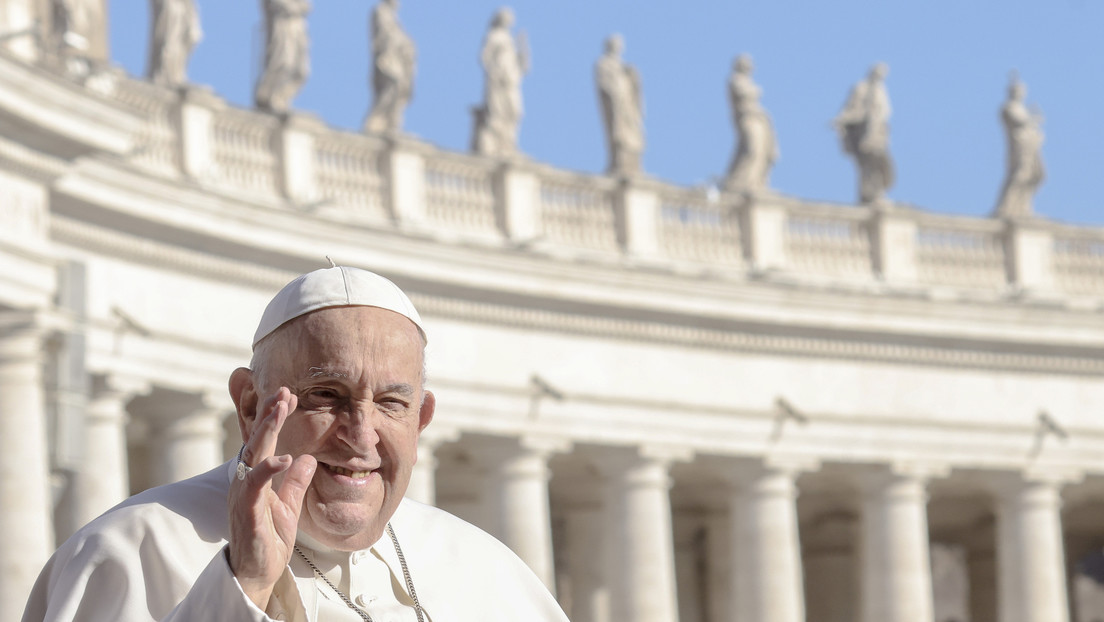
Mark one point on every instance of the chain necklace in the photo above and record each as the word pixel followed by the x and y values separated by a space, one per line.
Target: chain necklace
pixel 362 613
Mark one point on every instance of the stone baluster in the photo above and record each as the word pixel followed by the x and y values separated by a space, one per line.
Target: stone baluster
pixel 26 520
pixel 517 493
pixel 103 477
pixel 895 550
pixel 186 437
pixel 1031 567
pixel 767 582
pixel 639 551
pixel 636 218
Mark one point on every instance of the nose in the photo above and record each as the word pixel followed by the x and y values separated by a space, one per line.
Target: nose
pixel 359 428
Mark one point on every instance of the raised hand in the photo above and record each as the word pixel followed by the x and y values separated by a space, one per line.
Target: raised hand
pixel 265 505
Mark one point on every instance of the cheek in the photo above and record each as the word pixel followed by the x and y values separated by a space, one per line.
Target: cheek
pixel 303 433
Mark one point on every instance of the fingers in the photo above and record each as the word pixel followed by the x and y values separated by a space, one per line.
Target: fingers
pixel 296 481
pixel 262 441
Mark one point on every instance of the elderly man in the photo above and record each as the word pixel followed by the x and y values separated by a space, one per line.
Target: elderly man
pixel 317 527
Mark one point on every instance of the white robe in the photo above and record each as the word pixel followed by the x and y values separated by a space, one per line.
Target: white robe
pixel 161 555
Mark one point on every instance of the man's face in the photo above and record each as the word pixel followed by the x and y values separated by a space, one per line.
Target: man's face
pixel 357 373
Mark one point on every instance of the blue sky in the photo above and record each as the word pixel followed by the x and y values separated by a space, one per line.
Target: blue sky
pixel 949 66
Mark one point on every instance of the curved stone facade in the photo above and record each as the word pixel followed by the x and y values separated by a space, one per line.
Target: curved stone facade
pixel 675 405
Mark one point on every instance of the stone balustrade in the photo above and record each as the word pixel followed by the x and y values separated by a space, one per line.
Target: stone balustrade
pixel 373 180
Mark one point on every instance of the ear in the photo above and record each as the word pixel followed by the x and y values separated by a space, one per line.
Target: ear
pixel 244 393
pixel 429 404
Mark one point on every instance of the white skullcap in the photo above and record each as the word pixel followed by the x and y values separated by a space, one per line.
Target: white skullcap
pixel 339 286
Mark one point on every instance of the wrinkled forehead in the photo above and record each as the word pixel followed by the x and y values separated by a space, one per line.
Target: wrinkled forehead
pixel 346 336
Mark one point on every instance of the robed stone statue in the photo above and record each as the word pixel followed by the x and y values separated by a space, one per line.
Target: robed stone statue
pixel 757 147
pixel 1024 171
pixel 175 32
pixel 622 103
pixel 504 62
pixel 863 126
pixel 287 55
pixel 393 56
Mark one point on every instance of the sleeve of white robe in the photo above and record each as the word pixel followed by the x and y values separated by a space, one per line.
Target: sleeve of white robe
pixel 88 583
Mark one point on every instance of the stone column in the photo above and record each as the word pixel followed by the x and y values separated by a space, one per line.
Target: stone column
pixel 1031 567
pixel 640 564
pixel 719 568
pixel 26 520
pixel 767 582
pixel 589 593
pixel 103 478
pixel 517 488
pixel 423 479
pixel 896 559
pixel 186 438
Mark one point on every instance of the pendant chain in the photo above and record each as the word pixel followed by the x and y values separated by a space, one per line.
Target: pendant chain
pixel 364 614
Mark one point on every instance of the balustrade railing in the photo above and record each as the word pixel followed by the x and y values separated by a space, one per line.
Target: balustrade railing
pixel 349 173
pixel 1078 261
pixel 157 143
pixel 829 241
pixel 578 211
pixel 248 152
pixel 244 150
pixel 961 252
pixel 696 226
pixel 460 193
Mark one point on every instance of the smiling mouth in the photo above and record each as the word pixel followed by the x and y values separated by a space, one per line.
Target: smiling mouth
pixel 346 472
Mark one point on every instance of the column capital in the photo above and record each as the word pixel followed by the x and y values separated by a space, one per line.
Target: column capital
pixel 901 472
pixel 1035 482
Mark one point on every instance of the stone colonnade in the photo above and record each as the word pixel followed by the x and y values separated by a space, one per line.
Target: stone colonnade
pixel 620 555
pixel 622 562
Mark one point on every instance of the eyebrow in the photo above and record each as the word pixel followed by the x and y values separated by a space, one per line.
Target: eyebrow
pixel 401 388
pixel 320 372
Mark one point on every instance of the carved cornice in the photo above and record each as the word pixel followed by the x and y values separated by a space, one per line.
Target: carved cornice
pixel 609 322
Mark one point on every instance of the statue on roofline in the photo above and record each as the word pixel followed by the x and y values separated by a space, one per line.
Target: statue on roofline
pixel 175 32
pixel 1024 171
pixel 863 126
pixel 393 56
pixel 757 148
pixel 622 103
pixel 504 62
pixel 287 55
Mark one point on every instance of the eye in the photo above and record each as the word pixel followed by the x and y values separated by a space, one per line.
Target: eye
pixel 392 404
pixel 321 395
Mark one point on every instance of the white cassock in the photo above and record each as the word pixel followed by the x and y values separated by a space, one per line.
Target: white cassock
pixel 161 555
